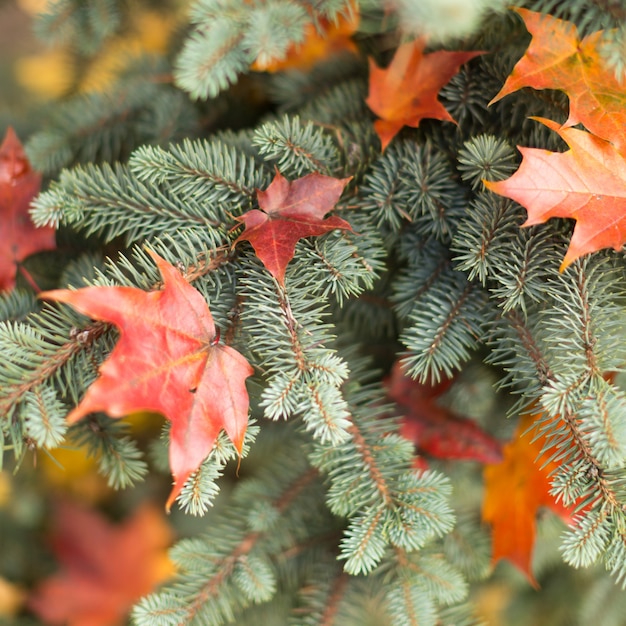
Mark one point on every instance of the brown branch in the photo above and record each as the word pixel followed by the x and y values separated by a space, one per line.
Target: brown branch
pixel 532 348
pixel 52 364
pixel 368 457
pixel 334 600
pixel 245 546
pixel 452 315
pixel 615 8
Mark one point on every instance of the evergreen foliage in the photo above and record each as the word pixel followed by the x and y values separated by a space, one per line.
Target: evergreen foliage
pixel 329 522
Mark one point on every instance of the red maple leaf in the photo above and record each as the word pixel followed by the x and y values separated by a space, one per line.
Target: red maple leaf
pixel 435 430
pixel 167 360
pixel 515 489
pixel 586 183
pixel 289 212
pixel 405 93
pixel 19 184
pixel 558 59
pixel 104 568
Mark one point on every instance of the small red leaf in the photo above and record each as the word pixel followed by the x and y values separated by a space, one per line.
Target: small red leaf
pixel 289 212
pixel 19 184
pixel 435 430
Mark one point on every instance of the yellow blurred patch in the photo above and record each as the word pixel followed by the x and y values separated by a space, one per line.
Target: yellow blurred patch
pixel 12 598
pixel 72 471
pixel 491 600
pixel 32 7
pixel 149 34
pixel 145 422
pixel 51 74
pixel 47 75
pixel 5 488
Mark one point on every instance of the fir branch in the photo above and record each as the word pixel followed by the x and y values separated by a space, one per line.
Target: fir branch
pixel 54 358
pixel 212 587
pixel 370 463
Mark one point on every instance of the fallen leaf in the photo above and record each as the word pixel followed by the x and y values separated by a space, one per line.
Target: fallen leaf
pixel 405 93
pixel 558 59
pixel 103 568
pixel 321 41
pixel 515 489
pixel 168 360
pixel 290 211
pixel 19 184
pixel 587 183
pixel 435 430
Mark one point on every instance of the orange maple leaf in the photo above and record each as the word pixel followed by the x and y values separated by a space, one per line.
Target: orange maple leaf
pixel 514 490
pixel 320 42
pixel 104 568
pixel 168 360
pixel 290 211
pixel 405 93
pixel 558 59
pixel 586 183
pixel 19 184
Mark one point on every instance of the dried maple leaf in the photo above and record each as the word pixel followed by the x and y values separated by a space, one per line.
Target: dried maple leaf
pixel 586 183
pixel 321 41
pixel 104 568
pixel 405 93
pixel 514 491
pixel 435 430
pixel 557 59
pixel 19 183
pixel 167 360
pixel 289 212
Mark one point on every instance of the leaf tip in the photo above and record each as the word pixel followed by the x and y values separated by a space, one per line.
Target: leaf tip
pixel 179 483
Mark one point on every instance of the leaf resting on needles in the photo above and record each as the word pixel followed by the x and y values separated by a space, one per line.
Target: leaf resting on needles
pixel 405 93
pixel 557 59
pixel 167 360
pixel 289 212
pixel 435 430
pixel 18 186
pixel 514 491
pixel 586 183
